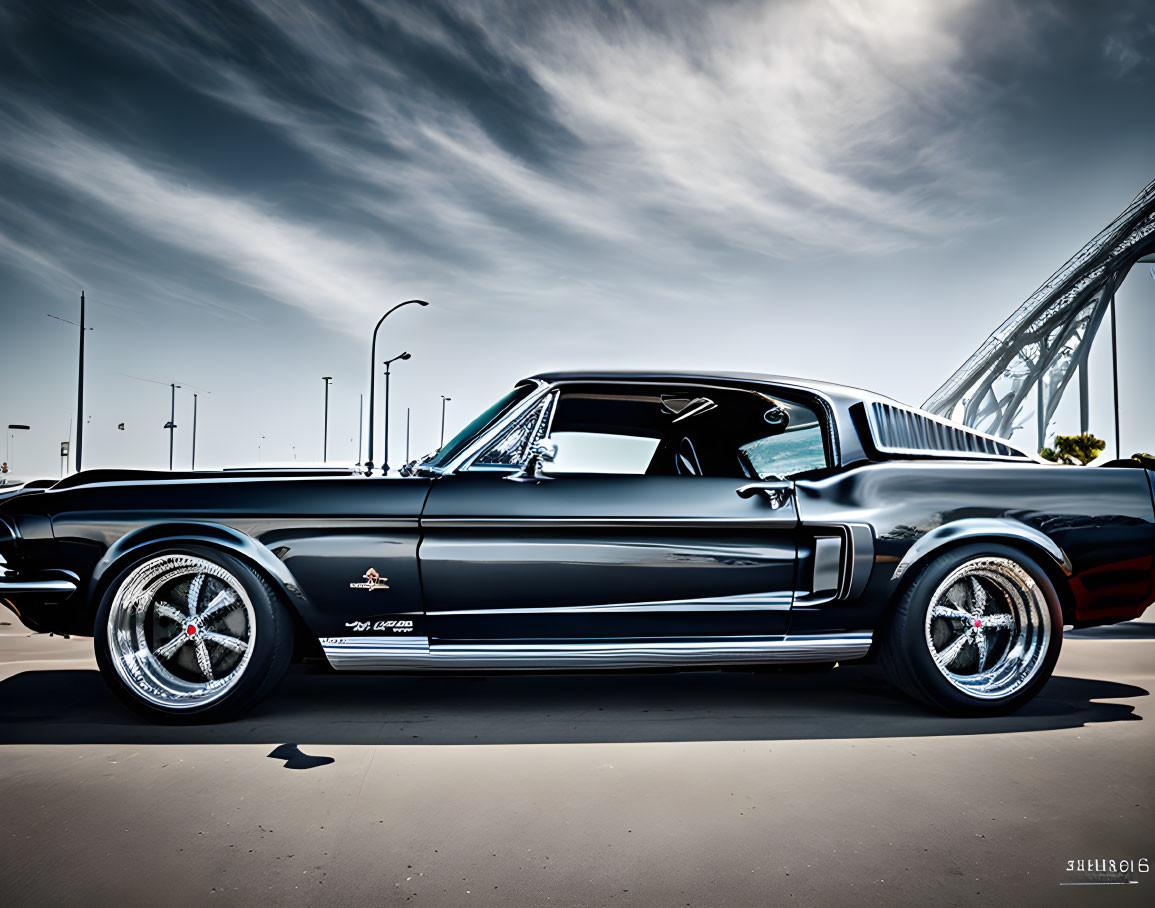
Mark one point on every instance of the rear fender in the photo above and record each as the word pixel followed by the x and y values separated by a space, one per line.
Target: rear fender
pixel 975 528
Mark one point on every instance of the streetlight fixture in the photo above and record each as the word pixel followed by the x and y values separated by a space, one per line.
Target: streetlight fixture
pixel 327 379
pixel 373 374
pixel 385 456
pixel 444 401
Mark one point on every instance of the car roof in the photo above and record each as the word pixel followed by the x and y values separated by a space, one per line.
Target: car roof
pixel 841 395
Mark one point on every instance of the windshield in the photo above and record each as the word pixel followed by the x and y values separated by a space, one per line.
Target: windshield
pixel 459 441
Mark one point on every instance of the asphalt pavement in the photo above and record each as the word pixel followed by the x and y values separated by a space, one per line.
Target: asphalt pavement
pixel 705 788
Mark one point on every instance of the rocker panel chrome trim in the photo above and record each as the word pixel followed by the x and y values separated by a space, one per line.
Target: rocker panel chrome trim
pixel 416 653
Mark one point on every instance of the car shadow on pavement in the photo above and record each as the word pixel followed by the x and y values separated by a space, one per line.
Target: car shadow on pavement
pixel 75 707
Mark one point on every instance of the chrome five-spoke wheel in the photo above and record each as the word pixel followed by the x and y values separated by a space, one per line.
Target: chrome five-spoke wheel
pixel 988 627
pixel 976 632
pixel 181 631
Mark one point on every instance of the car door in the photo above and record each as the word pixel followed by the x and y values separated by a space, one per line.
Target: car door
pixel 602 555
pixel 592 556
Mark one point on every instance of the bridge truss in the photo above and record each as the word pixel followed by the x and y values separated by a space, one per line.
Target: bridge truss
pixel 1021 371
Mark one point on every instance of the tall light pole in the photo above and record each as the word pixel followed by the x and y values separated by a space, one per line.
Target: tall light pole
pixel 79 380
pixel 170 425
pixel 385 456
pixel 373 374
pixel 80 391
pixel 194 446
pixel 444 400
pixel 325 443
pixel 8 455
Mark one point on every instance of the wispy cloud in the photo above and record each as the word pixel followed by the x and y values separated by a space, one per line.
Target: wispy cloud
pixel 506 144
pixel 1122 53
pixel 573 181
pixel 247 240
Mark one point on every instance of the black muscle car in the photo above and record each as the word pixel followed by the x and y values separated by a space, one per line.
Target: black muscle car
pixel 600 521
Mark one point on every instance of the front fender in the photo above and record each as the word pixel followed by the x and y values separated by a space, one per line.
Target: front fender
pixel 982 528
pixel 156 537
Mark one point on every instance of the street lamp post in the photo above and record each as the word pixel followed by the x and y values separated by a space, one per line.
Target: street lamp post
pixel 80 391
pixel 170 425
pixel 385 456
pixel 360 426
pixel 194 444
pixel 444 400
pixel 325 443
pixel 8 455
pixel 79 380
pixel 373 374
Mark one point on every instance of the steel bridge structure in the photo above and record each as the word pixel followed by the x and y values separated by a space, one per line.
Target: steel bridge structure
pixel 1020 373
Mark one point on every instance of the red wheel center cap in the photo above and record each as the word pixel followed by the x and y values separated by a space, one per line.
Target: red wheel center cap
pixel 977 624
pixel 192 629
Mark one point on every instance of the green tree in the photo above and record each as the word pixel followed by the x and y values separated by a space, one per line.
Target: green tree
pixel 1074 449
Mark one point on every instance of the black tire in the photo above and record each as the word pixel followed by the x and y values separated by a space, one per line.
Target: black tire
pixel 905 652
pixel 134 678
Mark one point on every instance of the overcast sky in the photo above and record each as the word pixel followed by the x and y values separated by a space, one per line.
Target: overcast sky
pixel 857 191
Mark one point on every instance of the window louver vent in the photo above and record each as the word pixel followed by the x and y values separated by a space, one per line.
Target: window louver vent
pixel 897 430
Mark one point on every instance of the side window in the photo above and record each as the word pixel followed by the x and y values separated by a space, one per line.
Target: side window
pixel 509 448
pixel 655 430
pixel 793 444
pixel 606 429
pixel 601 452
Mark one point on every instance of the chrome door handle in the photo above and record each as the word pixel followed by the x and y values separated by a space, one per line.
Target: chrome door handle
pixel 777 493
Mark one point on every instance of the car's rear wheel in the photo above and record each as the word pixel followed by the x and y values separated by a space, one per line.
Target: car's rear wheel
pixel 191 634
pixel 977 632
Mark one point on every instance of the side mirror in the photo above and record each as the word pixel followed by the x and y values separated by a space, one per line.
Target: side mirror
pixel 544 450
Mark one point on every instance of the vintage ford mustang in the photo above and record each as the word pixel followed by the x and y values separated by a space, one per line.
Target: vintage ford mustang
pixel 602 521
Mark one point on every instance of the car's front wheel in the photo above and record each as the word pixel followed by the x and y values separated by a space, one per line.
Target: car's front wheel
pixel 191 635
pixel 977 632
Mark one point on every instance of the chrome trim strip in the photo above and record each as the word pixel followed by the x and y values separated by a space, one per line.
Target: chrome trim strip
pixel 744 602
pixel 416 653
pixel 352 653
pixel 826 570
pixel 37 586
pixel 535 522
